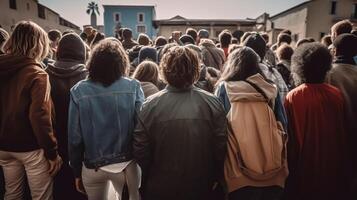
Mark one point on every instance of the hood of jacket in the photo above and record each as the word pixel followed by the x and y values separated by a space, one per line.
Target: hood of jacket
pixel 66 69
pixel 243 91
pixel 208 44
pixel 10 64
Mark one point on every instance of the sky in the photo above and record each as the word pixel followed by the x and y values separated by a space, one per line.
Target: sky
pixel 75 10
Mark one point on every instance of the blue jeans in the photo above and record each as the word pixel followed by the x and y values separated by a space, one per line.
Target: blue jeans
pixel 257 193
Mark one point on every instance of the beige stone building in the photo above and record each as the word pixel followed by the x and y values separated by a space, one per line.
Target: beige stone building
pixel 166 26
pixel 312 18
pixel 12 11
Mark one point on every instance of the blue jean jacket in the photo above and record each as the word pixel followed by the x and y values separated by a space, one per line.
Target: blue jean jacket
pixel 101 122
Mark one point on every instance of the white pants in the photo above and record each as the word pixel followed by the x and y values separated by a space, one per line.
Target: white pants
pixel 97 183
pixel 36 166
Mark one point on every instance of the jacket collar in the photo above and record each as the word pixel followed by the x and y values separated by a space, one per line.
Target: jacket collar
pixel 171 88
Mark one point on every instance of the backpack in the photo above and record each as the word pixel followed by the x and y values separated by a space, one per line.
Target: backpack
pixel 274 151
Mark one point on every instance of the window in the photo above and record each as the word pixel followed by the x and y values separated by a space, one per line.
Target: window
pixel 333 7
pixel 41 11
pixel 141 17
pixel 28 6
pixel 13 4
pixel 141 29
pixel 296 37
pixel 322 34
pixel 272 25
pixel 117 17
pixel 354 14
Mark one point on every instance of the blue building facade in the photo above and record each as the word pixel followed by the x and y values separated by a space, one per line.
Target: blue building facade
pixel 138 18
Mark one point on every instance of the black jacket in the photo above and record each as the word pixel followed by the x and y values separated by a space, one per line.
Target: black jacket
pixel 180 144
pixel 63 75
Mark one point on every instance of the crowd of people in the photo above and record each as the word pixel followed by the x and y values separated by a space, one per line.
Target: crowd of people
pixel 179 118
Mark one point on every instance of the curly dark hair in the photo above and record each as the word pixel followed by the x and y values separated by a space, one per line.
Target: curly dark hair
pixel 165 49
pixel 225 38
pixel 310 63
pixel 108 62
pixel 180 67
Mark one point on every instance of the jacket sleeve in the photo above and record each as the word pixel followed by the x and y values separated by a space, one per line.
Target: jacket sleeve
pixel 75 139
pixel 280 113
pixel 221 93
pixel 219 123
pixel 139 100
pixel 40 114
pixel 141 141
pixel 292 146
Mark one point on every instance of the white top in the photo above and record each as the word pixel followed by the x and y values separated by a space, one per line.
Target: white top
pixel 116 167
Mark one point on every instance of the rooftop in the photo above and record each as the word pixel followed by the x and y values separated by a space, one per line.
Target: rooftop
pixel 127 5
pixel 182 20
pixel 292 8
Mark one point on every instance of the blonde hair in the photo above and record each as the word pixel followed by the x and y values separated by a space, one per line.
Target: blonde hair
pixel 29 40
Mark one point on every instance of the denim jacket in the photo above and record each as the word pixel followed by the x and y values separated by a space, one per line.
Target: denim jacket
pixel 101 122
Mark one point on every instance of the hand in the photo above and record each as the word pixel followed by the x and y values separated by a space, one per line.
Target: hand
pixel 79 186
pixel 55 166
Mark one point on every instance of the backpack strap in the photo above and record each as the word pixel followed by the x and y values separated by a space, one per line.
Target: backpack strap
pixel 258 89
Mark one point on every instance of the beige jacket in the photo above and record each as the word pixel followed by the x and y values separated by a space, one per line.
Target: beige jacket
pixel 255 134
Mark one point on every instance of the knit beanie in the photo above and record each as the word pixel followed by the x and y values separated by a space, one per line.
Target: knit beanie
pixel 71 47
pixel 346 45
pixel 257 43
pixel 203 33
pixel 147 53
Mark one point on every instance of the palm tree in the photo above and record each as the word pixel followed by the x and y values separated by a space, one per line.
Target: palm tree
pixel 93 10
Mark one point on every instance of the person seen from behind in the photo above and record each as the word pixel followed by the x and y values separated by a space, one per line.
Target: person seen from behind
pixel 317 147
pixel 102 117
pixel 256 164
pixel 180 140
pixel 27 140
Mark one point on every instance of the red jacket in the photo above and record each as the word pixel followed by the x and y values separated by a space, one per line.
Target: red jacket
pixel 317 143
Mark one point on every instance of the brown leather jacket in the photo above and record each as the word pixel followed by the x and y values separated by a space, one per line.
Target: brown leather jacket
pixel 25 107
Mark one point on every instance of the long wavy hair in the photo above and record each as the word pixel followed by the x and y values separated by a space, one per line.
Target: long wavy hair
pixel 28 40
pixel 241 64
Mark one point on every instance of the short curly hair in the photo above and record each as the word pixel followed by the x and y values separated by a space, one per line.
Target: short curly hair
pixel 108 62
pixel 180 67
pixel 310 63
